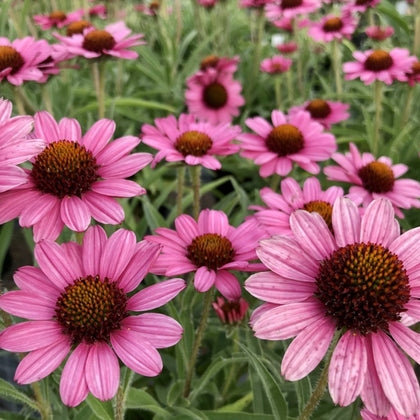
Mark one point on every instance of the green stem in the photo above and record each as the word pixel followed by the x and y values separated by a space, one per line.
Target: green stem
pixel 416 47
pixel 208 299
pixel 195 179
pixel 19 101
pixel 277 90
pixel 232 370
pixel 322 383
pixel 180 192
pixel 378 110
pixel 289 88
pixel 178 15
pixel 98 73
pixel 79 237
pixel 299 63
pixel 275 182
pixel 44 408
pixel 121 397
pixel 337 68
pixel 46 99
pixel 407 107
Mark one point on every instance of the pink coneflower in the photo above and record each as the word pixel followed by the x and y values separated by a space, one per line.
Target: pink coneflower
pixel 194 142
pixel 230 311
pixel 58 19
pixel 374 178
pixel 19 60
pixel 253 4
pixel 113 40
pixel 51 65
pixel 77 302
pixel 324 112
pixel 220 64
pixel 287 47
pixel 392 415
pixel 74 178
pixel 354 6
pixel 290 8
pixel 356 285
pixel 15 147
pixel 207 3
pixel 275 218
pixel 413 76
pixel 333 27
pixel 210 248
pixel 295 138
pixel 379 33
pixel 98 10
pixel 78 27
pixel 214 96
pixel 381 65
pixel 275 65
pixel 287 24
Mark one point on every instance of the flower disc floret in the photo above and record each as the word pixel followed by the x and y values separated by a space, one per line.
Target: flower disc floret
pixel 378 60
pixel 10 58
pixel 291 4
pixel 333 24
pixel 215 95
pixel 285 139
pixel 90 309
pixel 98 41
pixel 318 108
pixel 321 207
pixel 377 177
pixel 363 287
pixel 77 27
pixel 193 143
pixel 57 16
pixel 65 168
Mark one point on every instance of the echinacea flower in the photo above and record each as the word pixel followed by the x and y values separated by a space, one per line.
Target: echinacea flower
pixel 275 218
pixel 220 64
pixel 77 303
pixel 392 415
pixel 15 147
pixel 78 27
pixel 58 18
pixel 275 65
pixel 51 65
pixel 290 24
pixel 289 139
pixel 287 47
pixel 98 10
pixel 332 27
pixel 213 96
pixel 374 178
pixel 253 4
pixel 210 248
pixel 361 6
pixel 413 76
pixel 290 8
pixel 324 112
pixel 230 312
pixel 19 60
pixel 194 142
pixel 381 65
pixel 356 285
pixel 74 178
pixel 379 33
pixel 113 41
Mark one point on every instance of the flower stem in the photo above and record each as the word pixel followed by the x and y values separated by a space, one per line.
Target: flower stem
pixel 416 47
pixel 232 369
pixel 98 72
pixel 337 68
pixel 195 177
pixel 46 99
pixel 277 90
pixel 322 382
pixel 208 299
pixel 378 110
pixel 19 101
pixel 44 408
pixel 407 107
pixel 180 192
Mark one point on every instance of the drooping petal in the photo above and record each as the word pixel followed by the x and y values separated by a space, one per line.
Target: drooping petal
pixel 228 285
pixel 204 279
pixel 75 213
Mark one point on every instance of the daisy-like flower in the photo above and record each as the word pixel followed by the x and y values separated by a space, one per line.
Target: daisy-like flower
pixel 15 147
pixel 379 33
pixel 51 65
pixel 253 4
pixel 98 10
pixel 381 65
pixel 74 178
pixel 295 138
pixel 374 178
pixel 19 60
pixel 413 76
pixel 287 47
pixel 287 24
pixel 220 64
pixel 324 112
pixel 77 28
pixel 114 41
pixel 361 6
pixel 210 248
pixel 275 218
pixel 290 8
pixel 333 27
pixel 392 415
pixel 58 19
pixel 230 311
pixel 191 141
pixel 214 96
pixel 357 285
pixel 275 65
pixel 77 302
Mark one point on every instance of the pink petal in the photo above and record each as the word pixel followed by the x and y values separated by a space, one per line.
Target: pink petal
pixel 347 369
pixel 213 221
pixel 49 227
pixel 118 188
pixel 187 228
pixel 93 244
pixel 407 339
pixel 104 209
pixel 27 305
pixel 37 210
pixel 46 127
pixel 204 279
pixel 126 166
pixel 69 129
pixel 98 135
pixel 32 279
pixel 228 285
pixel 75 213
pixel 346 222
pixel 102 371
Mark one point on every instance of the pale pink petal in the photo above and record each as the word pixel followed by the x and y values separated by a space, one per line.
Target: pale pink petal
pixel 32 279
pixel 213 221
pixel 346 222
pixel 69 129
pixel 204 279
pixel 75 213
pixel 187 228
pixel 104 209
pixel 98 135
pixel 407 339
pixel 93 244
pixel 118 188
pixel 228 285
pixel 37 210
pixel 46 127
pixel 406 247
pixel 49 227
pixel 27 305
pixel 102 371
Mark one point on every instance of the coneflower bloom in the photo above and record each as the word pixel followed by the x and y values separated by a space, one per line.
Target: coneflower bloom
pixel 77 303
pixel 324 112
pixel 356 285
pixel 379 33
pixel 58 18
pixel 289 139
pixel 213 96
pixel 98 10
pixel 290 8
pixel 287 47
pixel 15 147
pixel 275 65
pixel 290 24
pixel 354 6
pixel 413 76
pixel 78 27
pixel 194 142
pixel 220 64
pixel 392 415
pixel 210 248
pixel 374 178
pixel 114 41
pixel 332 27
pixel 275 218
pixel 230 311
pixel 253 4
pixel 19 60
pixel 381 65
pixel 51 65
pixel 74 178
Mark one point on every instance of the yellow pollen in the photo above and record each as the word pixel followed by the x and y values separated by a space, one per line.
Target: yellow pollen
pixel 323 208
pixel 378 60
pixel 285 139
pixel 9 57
pixel 193 143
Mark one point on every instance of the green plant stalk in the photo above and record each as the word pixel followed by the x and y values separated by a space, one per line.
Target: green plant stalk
pixel 378 112
pixel 18 97
pixel 322 382
pixel 337 68
pixel 178 15
pixel 407 107
pixel 44 407
pixel 46 99
pixel 180 191
pixel 195 180
pixel 98 73
pixel 289 88
pixel 208 299
pixel 299 63
pixel 121 396
pixel 416 47
pixel 232 369
pixel 277 90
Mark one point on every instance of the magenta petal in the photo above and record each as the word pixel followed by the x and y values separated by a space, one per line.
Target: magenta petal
pixel 155 295
pixel 40 363
pixel 228 285
pixel 31 335
pixel 46 127
pixel 73 387
pixel 136 353
pixel 346 222
pixel 118 188
pixel 396 374
pixel 75 213
pixel 98 135
pixel 307 350
pixel 27 305
pixel 32 279
pixel 102 371
pixel 104 209
pixel 347 369
pixel 204 279
pixel 93 244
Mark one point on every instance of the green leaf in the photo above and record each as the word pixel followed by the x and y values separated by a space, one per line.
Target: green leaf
pixel 239 415
pixel 140 399
pixel 9 392
pixel 5 237
pixel 238 405
pixel 102 409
